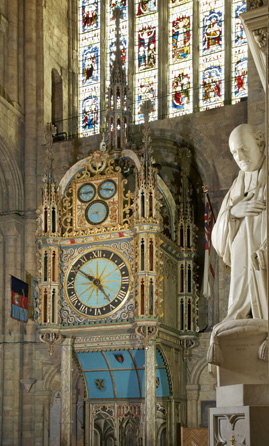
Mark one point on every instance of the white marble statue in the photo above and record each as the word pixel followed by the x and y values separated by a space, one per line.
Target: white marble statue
pixel 239 235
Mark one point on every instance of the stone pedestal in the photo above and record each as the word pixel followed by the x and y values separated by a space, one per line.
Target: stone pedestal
pixel 245 425
pixel 242 396
pixel 241 363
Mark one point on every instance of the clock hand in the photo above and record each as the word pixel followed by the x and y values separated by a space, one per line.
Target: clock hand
pixel 91 278
pixel 100 287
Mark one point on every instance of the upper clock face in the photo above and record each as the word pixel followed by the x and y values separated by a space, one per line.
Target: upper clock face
pixel 98 283
pixel 86 192
pixel 107 189
pixel 96 212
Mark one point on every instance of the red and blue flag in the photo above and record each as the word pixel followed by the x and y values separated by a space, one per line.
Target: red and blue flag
pixel 19 299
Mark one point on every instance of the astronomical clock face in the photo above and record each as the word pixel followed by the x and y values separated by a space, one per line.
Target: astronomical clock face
pixel 97 202
pixel 98 283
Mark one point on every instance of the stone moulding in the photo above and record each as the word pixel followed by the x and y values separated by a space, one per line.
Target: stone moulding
pixel 255 25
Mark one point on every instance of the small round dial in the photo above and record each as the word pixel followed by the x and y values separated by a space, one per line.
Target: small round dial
pixel 98 282
pixel 107 189
pixel 86 192
pixel 96 212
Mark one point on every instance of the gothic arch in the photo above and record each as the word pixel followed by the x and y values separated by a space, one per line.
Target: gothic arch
pixel 11 184
pixel 50 376
pixel 197 370
pixel 166 362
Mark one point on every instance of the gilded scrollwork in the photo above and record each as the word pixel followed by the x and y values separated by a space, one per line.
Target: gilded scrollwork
pixel 98 168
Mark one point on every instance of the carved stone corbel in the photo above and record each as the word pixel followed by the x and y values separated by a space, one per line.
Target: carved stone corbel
pixel 147 332
pixel 50 339
pixel 260 36
pixel 253 4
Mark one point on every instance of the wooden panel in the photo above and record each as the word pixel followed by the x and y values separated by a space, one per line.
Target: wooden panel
pixel 194 437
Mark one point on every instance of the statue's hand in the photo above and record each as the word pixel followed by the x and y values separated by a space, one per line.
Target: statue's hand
pixel 258 259
pixel 247 207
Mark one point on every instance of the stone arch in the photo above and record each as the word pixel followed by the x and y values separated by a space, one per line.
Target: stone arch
pixel 197 370
pixel 50 376
pixel 11 184
pixel 166 362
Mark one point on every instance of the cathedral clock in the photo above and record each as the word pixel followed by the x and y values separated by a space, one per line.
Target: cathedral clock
pixel 98 282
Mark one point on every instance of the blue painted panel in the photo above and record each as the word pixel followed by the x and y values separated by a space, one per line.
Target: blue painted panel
pixel 92 361
pixel 94 392
pixel 124 360
pixel 126 384
pixel 139 356
pixel 163 389
pixel 159 359
pixel 142 380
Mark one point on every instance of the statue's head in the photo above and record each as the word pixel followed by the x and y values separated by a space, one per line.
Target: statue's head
pixel 247 147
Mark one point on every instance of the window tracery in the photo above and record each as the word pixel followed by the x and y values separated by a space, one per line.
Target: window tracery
pixel 205 42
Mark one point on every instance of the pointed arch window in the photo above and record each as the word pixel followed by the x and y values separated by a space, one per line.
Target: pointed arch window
pixel 180 58
pixel 203 44
pixel 146 57
pixel 239 53
pixel 89 77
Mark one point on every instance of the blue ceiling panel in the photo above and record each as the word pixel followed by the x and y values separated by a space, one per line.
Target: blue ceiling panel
pixel 99 384
pixel 92 361
pixel 142 380
pixel 159 359
pixel 121 374
pixel 126 383
pixel 120 360
pixel 163 387
pixel 139 356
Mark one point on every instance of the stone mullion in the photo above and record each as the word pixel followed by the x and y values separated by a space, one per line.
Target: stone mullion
pixel 131 56
pixel 73 64
pixel 103 57
pixel 227 52
pixel 12 61
pixel 150 394
pixel 196 55
pixel 163 59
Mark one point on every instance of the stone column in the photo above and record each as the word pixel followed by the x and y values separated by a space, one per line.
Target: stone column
pixel 66 389
pixel 172 422
pixel 192 398
pixel 87 424
pixel 150 393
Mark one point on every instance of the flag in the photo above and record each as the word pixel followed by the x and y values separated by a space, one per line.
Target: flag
pixel 19 299
pixel 210 255
pixel 32 283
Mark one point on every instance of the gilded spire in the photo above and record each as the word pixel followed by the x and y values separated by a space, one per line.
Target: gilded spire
pixel 118 113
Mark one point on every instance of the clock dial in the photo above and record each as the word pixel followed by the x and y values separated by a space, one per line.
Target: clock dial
pixel 86 192
pixel 96 212
pixel 107 189
pixel 98 283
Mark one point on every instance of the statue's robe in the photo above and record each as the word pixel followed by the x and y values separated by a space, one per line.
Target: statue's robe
pixel 237 240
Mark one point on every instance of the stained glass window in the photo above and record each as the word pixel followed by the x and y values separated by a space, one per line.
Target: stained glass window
pixel 239 53
pixel 211 54
pixel 180 57
pixel 185 44
pixel 122 4
pixel 89 78
pixel 146 43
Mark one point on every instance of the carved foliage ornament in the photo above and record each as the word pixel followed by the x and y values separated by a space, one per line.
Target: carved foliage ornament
pixel 252 4
pixel 260 36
